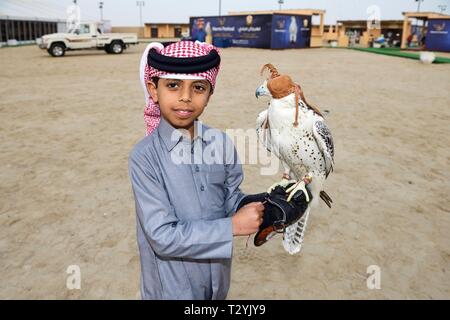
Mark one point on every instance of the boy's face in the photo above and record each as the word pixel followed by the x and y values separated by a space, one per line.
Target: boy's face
pixel 181 101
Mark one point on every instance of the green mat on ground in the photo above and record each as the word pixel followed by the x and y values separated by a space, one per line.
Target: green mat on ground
pixel 397 53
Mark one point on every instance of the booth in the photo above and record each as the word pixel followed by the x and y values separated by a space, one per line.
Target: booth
pixel 426 30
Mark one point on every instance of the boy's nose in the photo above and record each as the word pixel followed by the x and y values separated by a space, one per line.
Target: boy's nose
pixel 185 95
pixel 182 99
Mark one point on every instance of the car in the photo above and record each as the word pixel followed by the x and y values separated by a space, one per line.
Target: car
pixel 87 35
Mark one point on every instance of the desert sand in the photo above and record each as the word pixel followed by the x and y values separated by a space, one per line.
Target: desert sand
pixel 67 126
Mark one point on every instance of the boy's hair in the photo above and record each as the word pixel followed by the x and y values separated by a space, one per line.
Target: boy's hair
pixel 155 81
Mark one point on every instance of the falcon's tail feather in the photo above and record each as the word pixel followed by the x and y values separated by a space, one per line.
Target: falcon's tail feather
pixel 295 233
pixel 326 198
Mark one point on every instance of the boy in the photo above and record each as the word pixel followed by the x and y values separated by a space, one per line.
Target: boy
pixel 188 208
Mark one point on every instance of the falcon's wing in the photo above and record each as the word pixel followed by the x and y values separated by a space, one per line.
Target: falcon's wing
pixel 263 130
pixel 324 140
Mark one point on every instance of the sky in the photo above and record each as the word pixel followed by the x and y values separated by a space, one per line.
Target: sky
pixel 126 12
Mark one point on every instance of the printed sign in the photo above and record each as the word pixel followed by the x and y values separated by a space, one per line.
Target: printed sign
pixel 438 35
pixel 253 31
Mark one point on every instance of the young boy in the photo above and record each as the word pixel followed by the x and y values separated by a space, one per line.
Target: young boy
pixel 188 208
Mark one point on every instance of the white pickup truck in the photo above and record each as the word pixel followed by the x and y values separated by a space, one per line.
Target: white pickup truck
pixel 87 36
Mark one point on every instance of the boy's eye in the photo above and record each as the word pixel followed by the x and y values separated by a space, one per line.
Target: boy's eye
pixel 172 85
pixel 199 87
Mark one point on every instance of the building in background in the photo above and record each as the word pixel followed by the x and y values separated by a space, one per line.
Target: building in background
pixel 165 30
pixel 23 22
pixel 20 23
pixel 414 32
pixel 22 30
pixel 157 30
pixel 361 34
pixel 137 30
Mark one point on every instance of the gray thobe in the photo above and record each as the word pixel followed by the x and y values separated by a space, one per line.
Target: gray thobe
pixel 184 206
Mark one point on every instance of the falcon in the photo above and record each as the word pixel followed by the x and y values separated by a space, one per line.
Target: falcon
pixel 295 132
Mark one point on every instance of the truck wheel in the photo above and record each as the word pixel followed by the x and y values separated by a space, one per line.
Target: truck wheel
pixel 116 47
pixel 57 49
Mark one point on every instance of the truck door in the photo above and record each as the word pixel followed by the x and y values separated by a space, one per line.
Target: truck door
pixel 81 38
pixel 97 36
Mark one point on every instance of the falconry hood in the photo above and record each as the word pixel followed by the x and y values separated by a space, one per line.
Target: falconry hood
pixel 281 86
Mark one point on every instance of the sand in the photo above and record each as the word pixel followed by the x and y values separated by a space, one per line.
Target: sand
pixel 68 124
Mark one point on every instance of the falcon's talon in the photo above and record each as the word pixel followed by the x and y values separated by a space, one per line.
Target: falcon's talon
pixel 283 183
pixel 296 187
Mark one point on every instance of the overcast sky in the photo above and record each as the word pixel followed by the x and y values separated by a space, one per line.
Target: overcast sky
pixel 126 12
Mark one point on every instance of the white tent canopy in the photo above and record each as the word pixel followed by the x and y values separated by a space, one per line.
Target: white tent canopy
pixel 38 9
pixel 52 10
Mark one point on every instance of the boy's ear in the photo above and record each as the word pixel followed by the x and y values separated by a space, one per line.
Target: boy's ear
pixel 151 87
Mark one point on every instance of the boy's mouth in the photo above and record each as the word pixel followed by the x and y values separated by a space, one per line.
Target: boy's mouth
pixel 183 113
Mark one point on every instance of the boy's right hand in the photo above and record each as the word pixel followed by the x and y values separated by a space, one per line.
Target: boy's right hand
pixel 247 219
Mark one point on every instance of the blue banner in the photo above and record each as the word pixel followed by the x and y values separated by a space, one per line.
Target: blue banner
pixel 251 31
pixel 291 31
pixel 438 35
pixel 277 31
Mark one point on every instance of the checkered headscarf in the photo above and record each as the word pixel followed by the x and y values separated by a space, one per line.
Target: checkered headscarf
pixel 182 49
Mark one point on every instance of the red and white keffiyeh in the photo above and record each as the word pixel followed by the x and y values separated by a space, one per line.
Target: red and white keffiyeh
pixel 181 49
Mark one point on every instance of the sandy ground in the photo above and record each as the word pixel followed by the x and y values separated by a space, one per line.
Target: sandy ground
pixel 67 126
